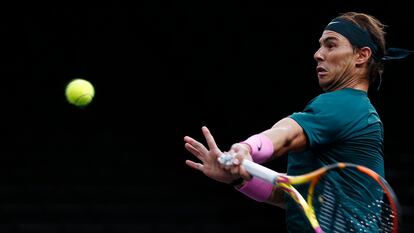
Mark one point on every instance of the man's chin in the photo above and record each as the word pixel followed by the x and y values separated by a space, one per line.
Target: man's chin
pixel 323 85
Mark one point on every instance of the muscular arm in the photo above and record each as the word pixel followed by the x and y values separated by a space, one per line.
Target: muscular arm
pixel 286 135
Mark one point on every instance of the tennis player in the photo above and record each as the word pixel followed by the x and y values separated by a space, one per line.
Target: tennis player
pixel 339 125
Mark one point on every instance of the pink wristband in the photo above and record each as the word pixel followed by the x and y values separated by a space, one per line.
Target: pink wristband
pixel 261 147
pixel 257 189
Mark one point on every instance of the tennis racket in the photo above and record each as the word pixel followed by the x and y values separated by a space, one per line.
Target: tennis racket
pixel 341 197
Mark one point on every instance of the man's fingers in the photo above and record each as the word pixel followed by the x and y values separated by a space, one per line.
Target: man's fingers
pixel 194 151
pixel 196 145
pixel 209 138
pixel 194 165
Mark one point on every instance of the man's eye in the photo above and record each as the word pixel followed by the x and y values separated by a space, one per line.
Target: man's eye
pixel 330 45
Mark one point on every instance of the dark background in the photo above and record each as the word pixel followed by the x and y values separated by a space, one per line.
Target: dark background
pixel 161 71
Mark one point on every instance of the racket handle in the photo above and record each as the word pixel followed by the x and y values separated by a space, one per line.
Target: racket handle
pixel 260 171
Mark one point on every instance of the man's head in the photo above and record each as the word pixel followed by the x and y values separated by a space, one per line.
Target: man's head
pixel 352 46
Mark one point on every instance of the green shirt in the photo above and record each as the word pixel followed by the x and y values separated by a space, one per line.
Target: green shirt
pixel 341 126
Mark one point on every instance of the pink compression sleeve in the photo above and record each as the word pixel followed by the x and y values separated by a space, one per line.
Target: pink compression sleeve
pixel 261 147
pixel 257 189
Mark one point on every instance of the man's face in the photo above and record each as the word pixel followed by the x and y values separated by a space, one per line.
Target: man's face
pixel 336 60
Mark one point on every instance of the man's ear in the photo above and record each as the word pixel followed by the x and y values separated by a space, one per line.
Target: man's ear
pixel 363 55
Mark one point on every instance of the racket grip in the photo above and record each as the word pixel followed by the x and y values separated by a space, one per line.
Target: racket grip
pixel 260 171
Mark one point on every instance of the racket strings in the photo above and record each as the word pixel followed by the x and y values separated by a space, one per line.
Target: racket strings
pixel 339 208
pixel 387 216
pixel 378 214
pixel 329 209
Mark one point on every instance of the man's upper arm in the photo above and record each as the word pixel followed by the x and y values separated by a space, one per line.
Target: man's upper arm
pixel 287 135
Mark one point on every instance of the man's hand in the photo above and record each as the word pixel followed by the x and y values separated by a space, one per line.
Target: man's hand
pixel 208 156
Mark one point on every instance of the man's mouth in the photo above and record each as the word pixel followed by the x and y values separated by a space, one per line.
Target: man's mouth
pixel 321 71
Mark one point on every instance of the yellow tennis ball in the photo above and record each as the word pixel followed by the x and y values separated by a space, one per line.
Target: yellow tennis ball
pixel 80 92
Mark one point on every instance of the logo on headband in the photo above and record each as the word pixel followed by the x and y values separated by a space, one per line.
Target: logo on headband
pixel 332 23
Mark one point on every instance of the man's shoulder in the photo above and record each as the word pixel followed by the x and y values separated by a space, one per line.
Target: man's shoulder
pixel 344 96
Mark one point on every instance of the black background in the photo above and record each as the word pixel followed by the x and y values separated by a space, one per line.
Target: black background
pixel 161 71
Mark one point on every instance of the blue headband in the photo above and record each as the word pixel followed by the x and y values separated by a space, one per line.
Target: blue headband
pixel 360 38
